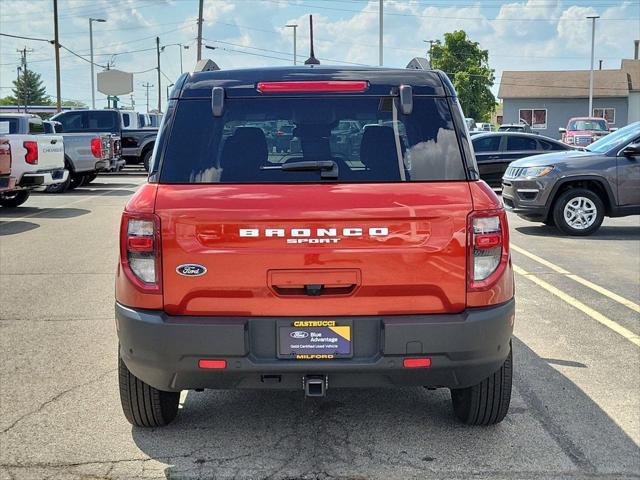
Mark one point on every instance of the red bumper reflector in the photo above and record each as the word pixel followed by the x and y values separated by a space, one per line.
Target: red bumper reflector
pixel 214 364
pixel 140 244
pixel 314 86
pixel 488 240
pixel 416 362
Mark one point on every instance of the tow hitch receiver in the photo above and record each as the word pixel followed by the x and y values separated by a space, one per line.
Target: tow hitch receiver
pixel 315 385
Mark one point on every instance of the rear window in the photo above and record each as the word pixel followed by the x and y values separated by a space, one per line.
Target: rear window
pixel 346 139
pixel 487 144
pixel 9 125
pixel 83 121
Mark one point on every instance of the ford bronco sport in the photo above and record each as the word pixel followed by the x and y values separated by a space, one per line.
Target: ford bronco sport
pixel 246 267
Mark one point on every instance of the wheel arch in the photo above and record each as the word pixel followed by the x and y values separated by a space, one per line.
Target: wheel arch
pixel 68 164
pixel 597 185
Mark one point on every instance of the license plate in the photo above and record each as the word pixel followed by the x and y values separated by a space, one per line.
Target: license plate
pixel 315 340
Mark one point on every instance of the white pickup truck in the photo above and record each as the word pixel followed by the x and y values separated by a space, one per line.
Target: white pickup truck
pixel 36 160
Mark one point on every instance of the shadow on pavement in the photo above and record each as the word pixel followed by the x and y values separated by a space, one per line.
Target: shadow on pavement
pixel 89 191
pixel 604 233
pixel 553 429
pixel 13 228
pixel 52 212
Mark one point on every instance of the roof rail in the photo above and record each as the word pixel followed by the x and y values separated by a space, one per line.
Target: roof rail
pixel 419 63
pixel 206 65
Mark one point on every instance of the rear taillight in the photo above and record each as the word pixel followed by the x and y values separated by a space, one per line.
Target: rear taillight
pixel 488 248
pixel 31 157
pixel 96 147
pixel 140 250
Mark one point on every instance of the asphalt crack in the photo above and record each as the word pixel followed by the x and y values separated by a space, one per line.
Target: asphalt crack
pixel 42 406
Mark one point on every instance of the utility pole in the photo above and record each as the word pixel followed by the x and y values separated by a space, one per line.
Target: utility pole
pixel 200 29
pixel 380 48
pixel 159 79
pixel 17 83
pixel 295 35
pixel 593 46
pixel 57 47
pixel 23 69
pixel 147 86
pixel 430 52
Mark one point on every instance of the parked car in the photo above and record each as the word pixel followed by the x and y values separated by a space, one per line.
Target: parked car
pixel 484 127
pixel 496 150
pixel 515 127
pixel 156 119
pixel 471 123
pixel 582 131
pixel 137 143
pixel 85 155
pixel 575 190
pixel 312 273
pixel 36 159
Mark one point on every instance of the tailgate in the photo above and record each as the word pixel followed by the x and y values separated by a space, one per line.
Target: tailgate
pixel 50 152
pixel 288 250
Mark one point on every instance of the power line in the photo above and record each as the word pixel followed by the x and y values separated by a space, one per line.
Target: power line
pixel 81 57
pixel 286 53
pixel 26 38
pixel 475 19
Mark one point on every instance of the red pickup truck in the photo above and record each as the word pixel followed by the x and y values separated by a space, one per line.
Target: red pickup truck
pixel 242 267
pixel 583 131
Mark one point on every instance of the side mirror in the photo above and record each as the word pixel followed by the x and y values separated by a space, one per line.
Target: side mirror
pixel 631 150
pixel 562 130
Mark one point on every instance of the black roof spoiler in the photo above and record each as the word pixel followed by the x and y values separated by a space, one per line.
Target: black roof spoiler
pixel 419 63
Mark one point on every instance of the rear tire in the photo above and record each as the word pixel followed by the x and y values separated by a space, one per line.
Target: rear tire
pixel 60 187
pixel 487 402
pixel 143 405
pixel 146 160
pixel 14 199
pixel 89 177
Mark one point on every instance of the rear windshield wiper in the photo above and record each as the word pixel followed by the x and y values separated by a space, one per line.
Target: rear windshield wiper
pixel 328 168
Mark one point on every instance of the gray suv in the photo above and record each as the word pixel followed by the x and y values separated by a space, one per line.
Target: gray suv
pixel 575 190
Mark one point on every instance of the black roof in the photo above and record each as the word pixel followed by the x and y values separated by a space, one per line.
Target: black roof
pixel 242 82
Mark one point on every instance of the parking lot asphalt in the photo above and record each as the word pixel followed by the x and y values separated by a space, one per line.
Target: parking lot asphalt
pixel 575 411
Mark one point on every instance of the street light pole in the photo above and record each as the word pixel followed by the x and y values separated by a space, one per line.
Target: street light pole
pixel 93 79
pixel 295 39
pixel 593 46
pixel 181 46
pixel 381 28
pixel 159 79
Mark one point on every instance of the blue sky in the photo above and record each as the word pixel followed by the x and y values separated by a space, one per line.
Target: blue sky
pixel 524 35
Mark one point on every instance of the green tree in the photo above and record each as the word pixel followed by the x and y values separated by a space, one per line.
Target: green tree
pixel 468 67
pixel 29 89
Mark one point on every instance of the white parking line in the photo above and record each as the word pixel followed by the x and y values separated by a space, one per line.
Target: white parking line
pixel 597 288
pixel 597 316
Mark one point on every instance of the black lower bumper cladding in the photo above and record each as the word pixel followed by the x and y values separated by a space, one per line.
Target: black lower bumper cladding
pixel 464 348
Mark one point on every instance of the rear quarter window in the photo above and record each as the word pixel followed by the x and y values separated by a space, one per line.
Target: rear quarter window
pixel 366 137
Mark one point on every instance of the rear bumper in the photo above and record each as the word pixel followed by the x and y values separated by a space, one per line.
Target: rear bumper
pixel 7 183
pixel 464 348
pixel 43 178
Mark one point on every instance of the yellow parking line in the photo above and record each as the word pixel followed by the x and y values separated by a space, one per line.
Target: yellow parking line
pixel 601 290
pixel 597 316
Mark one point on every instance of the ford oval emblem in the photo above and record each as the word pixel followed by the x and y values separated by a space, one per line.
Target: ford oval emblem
pixel 191 270
pixel 299 334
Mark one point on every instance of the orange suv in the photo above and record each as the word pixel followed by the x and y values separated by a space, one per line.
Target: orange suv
pixel 243 265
